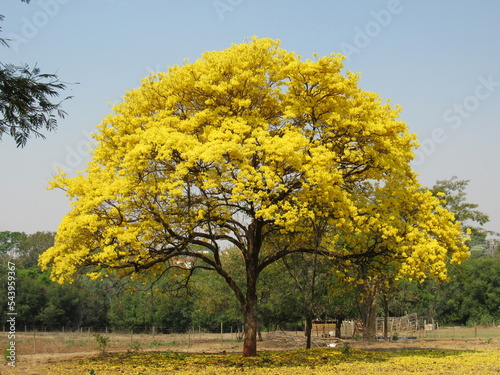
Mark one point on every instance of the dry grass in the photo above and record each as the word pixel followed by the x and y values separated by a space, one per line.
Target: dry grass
pixel 38 352
pixel 30 343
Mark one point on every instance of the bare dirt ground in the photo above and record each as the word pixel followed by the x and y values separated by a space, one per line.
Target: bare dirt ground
pixel 34 351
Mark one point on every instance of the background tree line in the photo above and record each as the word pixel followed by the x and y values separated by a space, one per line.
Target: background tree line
pixel 286 298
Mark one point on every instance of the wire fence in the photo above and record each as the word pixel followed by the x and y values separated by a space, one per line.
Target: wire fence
pixel 54 339
pixel 407 323
pixel 225 329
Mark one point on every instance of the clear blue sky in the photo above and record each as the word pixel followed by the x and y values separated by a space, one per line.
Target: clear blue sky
pixel 439 60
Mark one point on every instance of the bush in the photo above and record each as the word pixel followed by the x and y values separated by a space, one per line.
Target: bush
pixel 102 341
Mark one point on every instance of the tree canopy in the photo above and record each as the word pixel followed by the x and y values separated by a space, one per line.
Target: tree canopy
pixel 453 197
pixel 26 106
pixel 239 148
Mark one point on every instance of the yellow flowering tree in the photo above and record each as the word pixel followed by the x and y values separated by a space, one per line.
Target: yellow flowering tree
pixel 416 239
pixel 242 144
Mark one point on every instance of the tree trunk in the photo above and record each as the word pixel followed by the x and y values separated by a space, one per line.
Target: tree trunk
pixel 370 318
pixel 251 324
pixel 309 314
pixel 254 238
pixel 338 327
pixel 386 316
pixel 308 331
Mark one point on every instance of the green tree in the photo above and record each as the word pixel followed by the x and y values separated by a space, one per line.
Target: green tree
pixel 423 298
pixel 453 196
pixel 473 294
pixel 299 289
pixel 91 302
pixel 159 303
pixel 30 248
pixel 280 300
pixel 41 302
pixel 173 313
pixel 31 297
pixel 470 296
pixel 10 242
pixel 130 311
pixel 26 106
pixel 307 277
pixel 213 300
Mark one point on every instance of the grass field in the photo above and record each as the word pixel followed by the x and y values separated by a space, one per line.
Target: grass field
pixel 448 351
pixel 297 362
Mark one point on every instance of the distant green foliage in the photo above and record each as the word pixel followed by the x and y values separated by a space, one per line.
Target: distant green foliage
pixel 472 296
